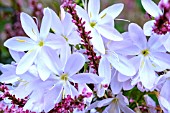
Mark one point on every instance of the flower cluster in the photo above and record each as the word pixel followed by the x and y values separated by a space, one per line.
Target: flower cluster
pixel 79 62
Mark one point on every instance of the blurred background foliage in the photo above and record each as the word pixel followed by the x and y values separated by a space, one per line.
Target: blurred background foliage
pixel 10 22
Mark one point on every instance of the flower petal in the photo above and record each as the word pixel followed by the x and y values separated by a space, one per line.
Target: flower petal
pixel 70 90
pixel 65 54
pixel 68 24
pixel 51 59
pixel 155 44
pixel 56 25
pixel 113 10
pixel 26 61
pixel 121 63
pixel 148 27
pixel 54 41
pixel 87 78
pixel 74 38
pixel 109 32
pixel 82 13
pixel 46 23
pixel 123 78
pixel 42 69
pixel 29 26
pixel 164 92
pixel 137 36
pixel 127 85
pixel 20 43
pixel 55 95
pixel 116 86
pixel 167 42
pixel 16 55
pixel 164 103
pixel 151 8
pixel 100 90
pixel 104 102
pixel 126 109
pixel 22 90
pixel 161 60
pixel 74 63
pixel 97 41
pixel 93 8
pixel 150 102
pixel 112 108
pixel 105 70
pixel 147 75
pixel 9 75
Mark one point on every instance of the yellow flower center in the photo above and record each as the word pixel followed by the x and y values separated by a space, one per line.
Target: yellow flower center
pixel 64 77
pixel 41 43
pixel 92 24
pixel 145 52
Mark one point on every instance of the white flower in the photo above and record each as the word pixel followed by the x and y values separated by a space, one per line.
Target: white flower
pixel 40 45
pixel 100 24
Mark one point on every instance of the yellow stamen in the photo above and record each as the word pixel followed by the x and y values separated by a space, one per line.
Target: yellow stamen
pixel 90 15
pixel 19 40
pixel 153 65
pixel 65 38
pixel 63 94
pixel 21 80
pixel 33 31
pixel 103 16
pixel 142 64
pixel 52 87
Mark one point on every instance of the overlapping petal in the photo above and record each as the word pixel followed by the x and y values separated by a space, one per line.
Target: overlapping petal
pixel 113 10
pixel 26 61
pixel 20 43
pixel 46 24
pixel 93 8
pixel 137 36
pixel 29 26
pixel 151 8
pixel 87 78
pixel 74 63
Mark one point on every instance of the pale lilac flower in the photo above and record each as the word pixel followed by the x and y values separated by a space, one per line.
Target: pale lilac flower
pixel 119 82
pixel 100 24
pixel 113 56
pixel 116 104
pixel 56 87
pixel 65 29
pixel 9 70
pixel 64 76
pixel 53 86
pixel 30 85
pixel 151 56
pixel 150 104
pixel 163 97
pixel 39 45
pixel 8 74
